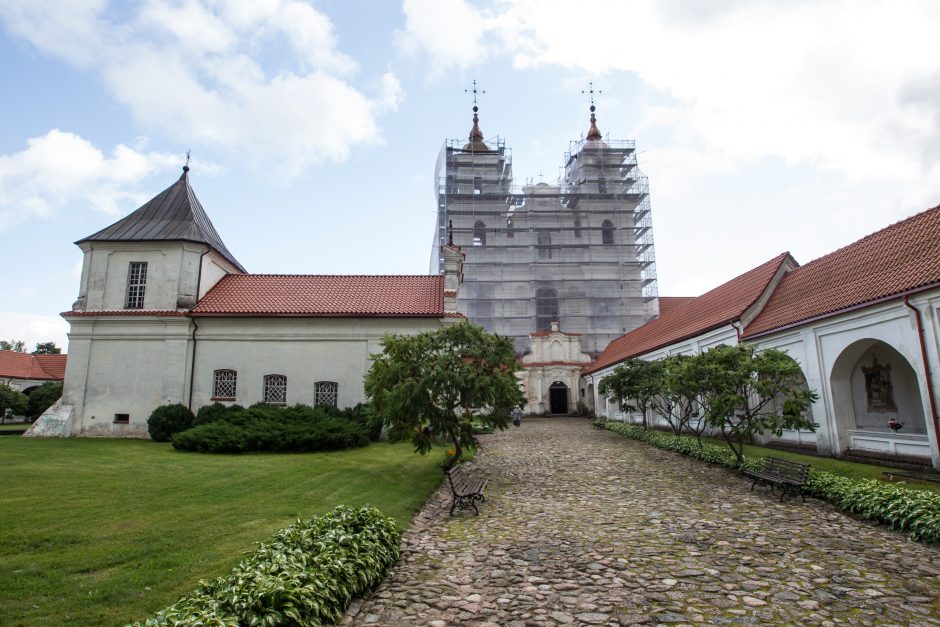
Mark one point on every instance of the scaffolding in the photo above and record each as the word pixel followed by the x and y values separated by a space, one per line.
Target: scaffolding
pixel 579 251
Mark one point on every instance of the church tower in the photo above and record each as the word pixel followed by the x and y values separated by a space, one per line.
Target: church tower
pixel 578 252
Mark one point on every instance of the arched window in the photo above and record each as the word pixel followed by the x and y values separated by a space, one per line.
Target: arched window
pixel 577 226
pixel 479 233
pixel 275 389
pixel 223 386
pixel 510 232
pixel 602 185
pixel 607 233
pixel 545 245
pixel 546 307
pixel 325 393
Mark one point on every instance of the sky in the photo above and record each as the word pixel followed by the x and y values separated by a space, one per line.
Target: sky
pixel 764 126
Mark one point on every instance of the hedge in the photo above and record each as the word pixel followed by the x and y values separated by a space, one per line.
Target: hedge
pixel 264 428
pixel 167 420
pixel 307 574
pixel 914 512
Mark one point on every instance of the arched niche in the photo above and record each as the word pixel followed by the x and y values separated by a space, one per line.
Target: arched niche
pixel 872 383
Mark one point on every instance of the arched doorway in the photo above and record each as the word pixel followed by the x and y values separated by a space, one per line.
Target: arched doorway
pixel 558 398
pixel 873 385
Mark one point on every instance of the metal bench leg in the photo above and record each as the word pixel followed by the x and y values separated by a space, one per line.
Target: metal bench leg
pixel 753 484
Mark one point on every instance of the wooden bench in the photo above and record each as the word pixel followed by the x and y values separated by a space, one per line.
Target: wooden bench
pixel 789 475
pixel 466 490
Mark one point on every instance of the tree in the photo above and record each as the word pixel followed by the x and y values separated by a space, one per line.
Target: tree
pixel 42 398
pixel 739 389
pixel 437 382
pixel 634 385
pixel 13 345
pixel 47 348
pixel 12 402
pixel 678 392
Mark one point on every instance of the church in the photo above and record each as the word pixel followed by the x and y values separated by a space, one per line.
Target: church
pixel 166 314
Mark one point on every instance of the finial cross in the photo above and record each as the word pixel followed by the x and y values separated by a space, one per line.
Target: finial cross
pixel 591 91
pixel 188 150
pixel 474 91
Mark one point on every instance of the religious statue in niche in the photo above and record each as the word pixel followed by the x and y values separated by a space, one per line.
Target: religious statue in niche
pixel 878 387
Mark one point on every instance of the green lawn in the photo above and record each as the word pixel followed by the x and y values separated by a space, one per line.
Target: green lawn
pixel 14 426
pixel 107 531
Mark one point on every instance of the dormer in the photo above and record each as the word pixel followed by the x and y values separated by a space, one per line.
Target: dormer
pixel 164 256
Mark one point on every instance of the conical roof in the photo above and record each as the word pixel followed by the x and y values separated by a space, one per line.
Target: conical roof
pixel 173 214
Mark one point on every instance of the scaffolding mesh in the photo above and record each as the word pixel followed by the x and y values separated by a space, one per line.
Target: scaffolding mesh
pixel 579 251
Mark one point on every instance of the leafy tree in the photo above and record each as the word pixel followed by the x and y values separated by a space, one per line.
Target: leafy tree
pixel 678 392
pixel 634 385
pixel 42 398
pixel 441 382
pixel 13 345
pixel 739 388
pixel 47 348
pixel 12 401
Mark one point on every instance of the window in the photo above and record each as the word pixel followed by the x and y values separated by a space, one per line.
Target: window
pixel 224 385
pixel 477 184
pixel 509 230
pixel 577 226
pixel 325 393
pixel 122 419
pixel 479 233
pixel 607 233
pixel 545 245
pixel 136 282
pixel 546 307
pixel 602 185
pixel 275 389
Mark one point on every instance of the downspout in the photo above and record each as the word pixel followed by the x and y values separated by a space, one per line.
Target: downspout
pixel 192 363
pixel 923 354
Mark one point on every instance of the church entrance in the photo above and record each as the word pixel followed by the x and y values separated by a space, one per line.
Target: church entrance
pixel 558 398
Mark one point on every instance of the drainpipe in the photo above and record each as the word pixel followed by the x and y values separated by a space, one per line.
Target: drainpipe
pixel 737 328
pixel 923 354
pixel 192 363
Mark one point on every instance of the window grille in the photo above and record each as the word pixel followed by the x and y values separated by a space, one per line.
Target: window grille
pixel 136 284
pixel 607 233
pixel 479 233
pixel 225 384
pixel 275 388
pixel 325 393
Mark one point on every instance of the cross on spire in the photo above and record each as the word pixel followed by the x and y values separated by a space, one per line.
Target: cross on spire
pixel 474 91
pixel 591 91
pixel 186 165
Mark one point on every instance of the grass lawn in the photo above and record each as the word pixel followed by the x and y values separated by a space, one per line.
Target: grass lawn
pixel 101 532
pixel 14 426
pixel 855 470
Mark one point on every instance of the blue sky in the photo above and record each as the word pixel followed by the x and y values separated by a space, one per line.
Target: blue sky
pixel 764 126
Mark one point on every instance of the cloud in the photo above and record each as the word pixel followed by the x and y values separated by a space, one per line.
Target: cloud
pixel 59 167
pixel 449 32
pixel 35 328
pixel 264 80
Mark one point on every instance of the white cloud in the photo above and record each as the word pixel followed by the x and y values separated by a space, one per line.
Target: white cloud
pixel 58 169
pixel 35 328
pixel 450 32
pixel 262 80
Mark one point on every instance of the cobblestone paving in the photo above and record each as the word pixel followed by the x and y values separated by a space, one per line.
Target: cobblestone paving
pixel 586 527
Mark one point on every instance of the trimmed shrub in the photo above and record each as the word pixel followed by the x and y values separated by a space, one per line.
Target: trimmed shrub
pixel 167 420
pixel 914 512
pixel 307 574
pixel 213 412
pixel 266 428
pixel 363 415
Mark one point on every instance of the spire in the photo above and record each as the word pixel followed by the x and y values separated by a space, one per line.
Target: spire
pixel 593 133
pixel 476 135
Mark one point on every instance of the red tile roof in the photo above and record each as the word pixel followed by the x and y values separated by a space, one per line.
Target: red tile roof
pixel 123 312
pixel 15 365
pixel 324 295
pixel 900 258
pixel 671 302
pixel 722 305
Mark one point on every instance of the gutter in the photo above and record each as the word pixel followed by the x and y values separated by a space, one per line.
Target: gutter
pixel 923 354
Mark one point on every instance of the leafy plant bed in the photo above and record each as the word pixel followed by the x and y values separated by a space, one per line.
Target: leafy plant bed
pixel 306 574
pixel 915 512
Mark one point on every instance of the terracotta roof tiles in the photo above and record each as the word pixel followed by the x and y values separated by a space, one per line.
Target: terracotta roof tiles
pixel 900 258
pixel 16 365
pixel 324 295
pixel 679 321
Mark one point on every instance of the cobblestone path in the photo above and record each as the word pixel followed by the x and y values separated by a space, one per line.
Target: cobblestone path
pixel 587 527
